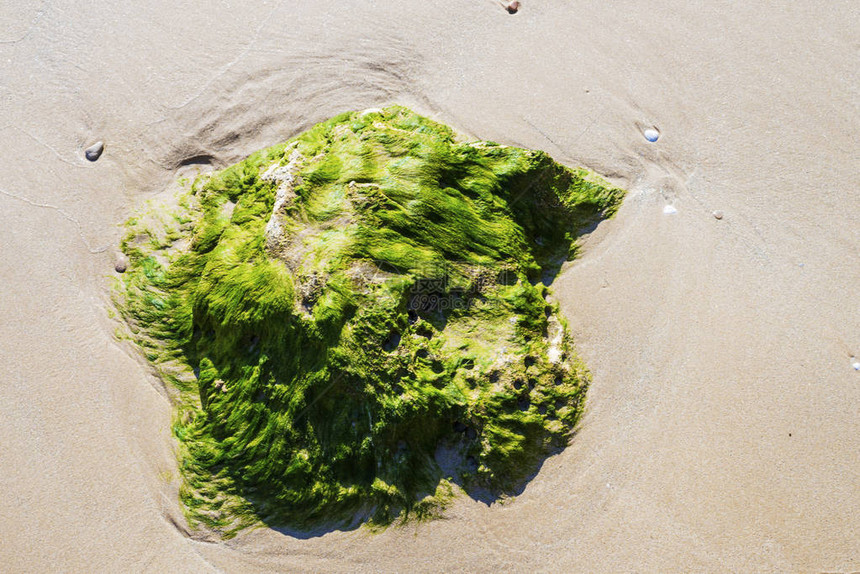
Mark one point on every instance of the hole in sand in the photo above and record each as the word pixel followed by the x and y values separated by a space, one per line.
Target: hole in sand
pixel 195 160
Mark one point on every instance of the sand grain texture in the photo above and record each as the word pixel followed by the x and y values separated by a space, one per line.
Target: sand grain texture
pixel 723 422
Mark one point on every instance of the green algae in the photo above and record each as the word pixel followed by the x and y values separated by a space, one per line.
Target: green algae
pixel 356 319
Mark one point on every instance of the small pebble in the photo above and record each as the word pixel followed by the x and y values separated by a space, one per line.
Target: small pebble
pixel 718 214
pixel 856 365
pixel 121 264
pixel 651 135
pixel 513 7
pixel 670 210
pixel 94 152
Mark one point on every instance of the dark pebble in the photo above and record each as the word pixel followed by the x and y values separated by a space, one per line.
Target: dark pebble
pixel 121 264
pixel 513 7
pixel 392 342
pixel 94 152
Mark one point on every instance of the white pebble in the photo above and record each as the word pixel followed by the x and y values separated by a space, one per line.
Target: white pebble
pixel 670 210
pixel 856 365
pixel 651 135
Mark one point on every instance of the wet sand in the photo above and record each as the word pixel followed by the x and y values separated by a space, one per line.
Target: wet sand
pixel 723 423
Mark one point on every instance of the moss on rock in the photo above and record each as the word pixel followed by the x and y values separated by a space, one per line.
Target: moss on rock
pixel 356 317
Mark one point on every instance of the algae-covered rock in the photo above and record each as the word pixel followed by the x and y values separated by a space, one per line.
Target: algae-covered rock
pixel 357 318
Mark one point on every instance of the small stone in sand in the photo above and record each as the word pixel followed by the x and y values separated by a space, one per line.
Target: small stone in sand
pixel 94 152
pixel 718 214
pixel 513 7
pixel 856 365
pixel 651 135
pixel 669 210
pixel 121 264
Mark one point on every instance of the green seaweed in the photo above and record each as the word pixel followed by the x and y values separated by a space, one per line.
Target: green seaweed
pixel 357 318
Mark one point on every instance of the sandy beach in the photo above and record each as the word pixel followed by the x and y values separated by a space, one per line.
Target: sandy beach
pixel 718 311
